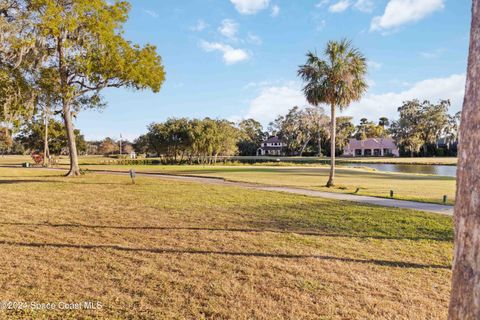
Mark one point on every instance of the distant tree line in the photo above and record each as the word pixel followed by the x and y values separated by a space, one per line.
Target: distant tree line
pixel 426 129
pixel 31 136
pixel 422 129
pixel 306 131
pixel 200 141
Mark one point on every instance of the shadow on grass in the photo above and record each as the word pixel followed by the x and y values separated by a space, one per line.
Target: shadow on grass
pixel 26 181
pixel 60 181
pixel 387 263
pixel 241 230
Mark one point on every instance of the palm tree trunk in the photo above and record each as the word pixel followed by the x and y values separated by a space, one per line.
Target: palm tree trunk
pixel 464 299
pixel 333 126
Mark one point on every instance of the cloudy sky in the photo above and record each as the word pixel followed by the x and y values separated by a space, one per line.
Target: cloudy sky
pixel 238 58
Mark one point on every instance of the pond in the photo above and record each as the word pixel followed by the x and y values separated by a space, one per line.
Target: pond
pixel 440 170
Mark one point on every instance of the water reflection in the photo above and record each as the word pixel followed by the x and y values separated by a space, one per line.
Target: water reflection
pixel 409 168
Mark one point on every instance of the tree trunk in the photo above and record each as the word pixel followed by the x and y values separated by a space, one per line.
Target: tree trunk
pixel 465 294
pixel 46 151
pixel 304 146
pixel 72 145
pixel 319 144
pixel 333 126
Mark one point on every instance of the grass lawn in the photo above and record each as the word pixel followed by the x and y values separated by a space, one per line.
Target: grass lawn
pixel 416 187
pixel 170 249
pixel 425 188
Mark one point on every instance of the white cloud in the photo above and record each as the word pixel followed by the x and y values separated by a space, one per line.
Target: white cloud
pixel 250 6
pixel 400 12
pixel 364 5
pixel 432 54
pixel 265 83
pixel 322 3
pixel 321 25
pixel 275 100
pixel 254 39
pixel 151 13
pixel 339 6
pixel 275 11
pixel 374 64
pixel 374 106
pixel 230 55
pixel 229 28
pixel 200 26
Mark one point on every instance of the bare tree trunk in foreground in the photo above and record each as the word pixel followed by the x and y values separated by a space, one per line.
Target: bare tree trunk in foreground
pixel 465 296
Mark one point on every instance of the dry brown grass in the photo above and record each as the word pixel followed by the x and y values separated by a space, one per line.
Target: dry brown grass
pixel 169 249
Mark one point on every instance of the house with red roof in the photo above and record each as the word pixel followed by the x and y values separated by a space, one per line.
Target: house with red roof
pixel 371 147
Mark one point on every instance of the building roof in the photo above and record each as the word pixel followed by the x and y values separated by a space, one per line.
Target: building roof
pixel 272 140
pixel 272 148
pixel 372 143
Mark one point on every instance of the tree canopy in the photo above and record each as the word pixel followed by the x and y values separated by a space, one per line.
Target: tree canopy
pixel 80 50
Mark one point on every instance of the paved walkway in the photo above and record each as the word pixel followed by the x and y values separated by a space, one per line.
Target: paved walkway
pixel 385 202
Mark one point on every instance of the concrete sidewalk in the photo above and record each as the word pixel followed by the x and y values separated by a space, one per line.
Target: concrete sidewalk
pixel 385 202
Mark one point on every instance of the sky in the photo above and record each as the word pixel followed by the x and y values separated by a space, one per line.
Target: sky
pixel 238 59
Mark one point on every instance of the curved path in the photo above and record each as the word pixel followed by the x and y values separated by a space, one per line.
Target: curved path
pixel 385 202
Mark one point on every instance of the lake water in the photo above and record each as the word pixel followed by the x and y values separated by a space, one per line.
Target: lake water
pixel 409 168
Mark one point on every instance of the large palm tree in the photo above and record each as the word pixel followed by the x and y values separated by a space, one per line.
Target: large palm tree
pixel 337 79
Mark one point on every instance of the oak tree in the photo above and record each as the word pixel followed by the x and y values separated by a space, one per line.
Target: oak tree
pixel 86 52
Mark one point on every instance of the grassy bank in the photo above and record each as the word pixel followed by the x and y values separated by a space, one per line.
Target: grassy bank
pixel 415 187
pixel 362 181
pixel 169 249
pixel 450 161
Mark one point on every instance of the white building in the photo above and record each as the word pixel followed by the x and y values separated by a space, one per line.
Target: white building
pixel 371 147
pixel 273 146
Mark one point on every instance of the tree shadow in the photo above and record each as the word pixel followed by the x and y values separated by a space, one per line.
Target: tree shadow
pixel 387 263
pixel 26 181
pixel 211 229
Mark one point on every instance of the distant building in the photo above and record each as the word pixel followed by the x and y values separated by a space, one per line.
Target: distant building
pixel 371 147
pixel 273 146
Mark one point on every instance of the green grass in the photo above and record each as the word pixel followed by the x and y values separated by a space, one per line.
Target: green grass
pixel 415 187
pixel 170 249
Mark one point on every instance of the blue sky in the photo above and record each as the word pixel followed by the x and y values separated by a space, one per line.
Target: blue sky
pixel 238 58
